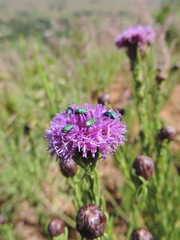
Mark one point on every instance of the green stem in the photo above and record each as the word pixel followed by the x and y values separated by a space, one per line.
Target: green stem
pixel 140 196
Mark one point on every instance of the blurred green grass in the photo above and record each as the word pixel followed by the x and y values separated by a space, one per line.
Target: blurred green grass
pixel 50 7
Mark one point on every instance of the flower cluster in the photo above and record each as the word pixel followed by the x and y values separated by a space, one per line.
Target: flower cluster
pixel 135 37
pixel 85 131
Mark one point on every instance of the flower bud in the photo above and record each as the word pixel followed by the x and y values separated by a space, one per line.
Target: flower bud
pixel 27 129
pixel 161 76
pixel 167 132
pixel 177 165
pixel 144 166
pixel 2 219
pixel 90 221
pixel 104 99
pixel 141 234
pixel 68 168
pixel 175 67
pixel 56 227
pixel 121 111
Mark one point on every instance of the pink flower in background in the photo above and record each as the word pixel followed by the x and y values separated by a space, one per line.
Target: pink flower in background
pixel 135 37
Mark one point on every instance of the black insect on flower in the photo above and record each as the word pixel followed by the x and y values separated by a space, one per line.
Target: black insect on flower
pixel 68 168
pixel 56 227
pixel 141 234
pixel 144 166
pixel 90 221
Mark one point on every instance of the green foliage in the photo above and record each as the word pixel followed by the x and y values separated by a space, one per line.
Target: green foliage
pixel 153 201
pixel 172 34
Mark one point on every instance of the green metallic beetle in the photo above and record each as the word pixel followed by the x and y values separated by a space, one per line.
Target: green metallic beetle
pixel 110 114
pixel 90 121
pixel 67 128
pixel 80 111
pixel 69 110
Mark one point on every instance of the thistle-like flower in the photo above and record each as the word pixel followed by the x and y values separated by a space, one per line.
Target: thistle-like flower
pixel 135 37
pixel 90 221
pixel 84 131
pixel 56 227
pixel 141 234
pixel 144 166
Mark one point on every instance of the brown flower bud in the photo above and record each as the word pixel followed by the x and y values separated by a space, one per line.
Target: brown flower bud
pixel 144 166
pixel 56 227
pixel 141 234
pixel 90 221
pixel 177 165
pixel 175 67
pixel 161 76
pixel 2 219
pixel 69 168
pixel 27 129
pixel 167 132
pixel 121 111
pixel 104 99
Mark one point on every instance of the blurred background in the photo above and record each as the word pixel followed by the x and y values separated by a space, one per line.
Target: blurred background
pixel 53 52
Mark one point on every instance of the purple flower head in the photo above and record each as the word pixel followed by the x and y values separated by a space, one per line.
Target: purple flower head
pixel 85 131
pixel 135 37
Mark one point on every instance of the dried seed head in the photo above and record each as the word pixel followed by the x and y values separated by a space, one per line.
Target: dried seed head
pixel 2 219
pixel 90 221
pixel 68 168
pixel 56 227
pixel 167 132
pixel 141 234
pixel 144 166
pixel 104 99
